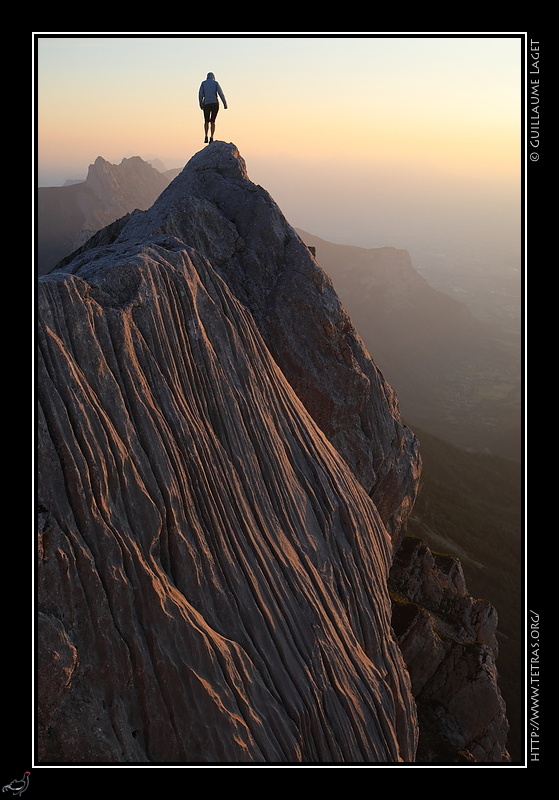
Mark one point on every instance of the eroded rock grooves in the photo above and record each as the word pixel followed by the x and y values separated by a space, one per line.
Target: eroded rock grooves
pixel 223 480
pixel 212 575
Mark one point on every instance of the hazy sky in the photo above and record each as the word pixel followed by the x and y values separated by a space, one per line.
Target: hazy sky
pixel 365 139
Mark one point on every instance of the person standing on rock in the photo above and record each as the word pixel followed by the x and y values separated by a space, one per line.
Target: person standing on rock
pixel 208 95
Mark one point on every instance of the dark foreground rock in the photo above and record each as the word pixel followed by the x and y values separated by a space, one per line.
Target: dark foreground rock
pixel 448 640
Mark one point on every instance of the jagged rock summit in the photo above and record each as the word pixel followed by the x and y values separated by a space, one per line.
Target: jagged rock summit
pixel 223 479
pixel 67 216
pixel 213 207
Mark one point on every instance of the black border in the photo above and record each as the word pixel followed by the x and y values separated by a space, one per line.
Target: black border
pixel 19 747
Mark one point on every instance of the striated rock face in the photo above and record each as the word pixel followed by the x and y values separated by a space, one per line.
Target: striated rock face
pixel 214 207
pixel 212 576
pixel 448 641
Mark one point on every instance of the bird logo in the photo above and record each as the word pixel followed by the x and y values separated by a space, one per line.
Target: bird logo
pixel 17 787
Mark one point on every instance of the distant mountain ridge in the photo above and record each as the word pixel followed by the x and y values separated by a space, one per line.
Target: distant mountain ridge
pixel 69 215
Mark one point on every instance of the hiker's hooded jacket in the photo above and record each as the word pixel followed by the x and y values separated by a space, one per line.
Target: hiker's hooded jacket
pixel 209 92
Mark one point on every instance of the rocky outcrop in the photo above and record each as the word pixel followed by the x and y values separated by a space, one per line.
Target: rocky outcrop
pixel 212 575
pixel 449 644
pixel 67 216
pixel 224 481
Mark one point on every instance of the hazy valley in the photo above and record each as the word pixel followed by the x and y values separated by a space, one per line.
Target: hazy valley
pixel 457 375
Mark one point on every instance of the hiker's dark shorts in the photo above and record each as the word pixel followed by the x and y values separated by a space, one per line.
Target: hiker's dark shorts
pixel 210 112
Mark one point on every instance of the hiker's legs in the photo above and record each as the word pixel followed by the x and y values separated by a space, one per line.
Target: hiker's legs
pixel 207 117
pixel 210 113
pixel 214 108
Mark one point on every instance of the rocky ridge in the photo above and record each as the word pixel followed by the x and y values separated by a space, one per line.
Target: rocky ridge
pixel 448 640
pixel 224 482
pixel 67 216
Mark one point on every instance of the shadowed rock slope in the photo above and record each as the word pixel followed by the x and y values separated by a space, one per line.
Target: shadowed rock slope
pixel 212 576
